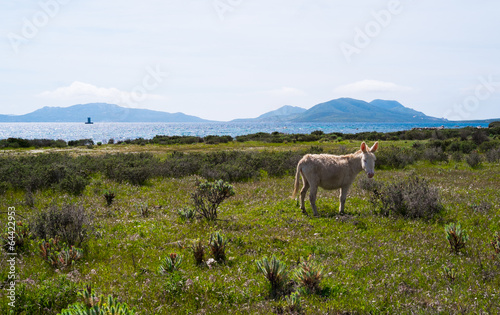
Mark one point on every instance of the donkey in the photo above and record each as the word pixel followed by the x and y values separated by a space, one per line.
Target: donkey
pixel 331 172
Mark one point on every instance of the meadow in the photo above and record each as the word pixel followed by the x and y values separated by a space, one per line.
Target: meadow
pixel 140 238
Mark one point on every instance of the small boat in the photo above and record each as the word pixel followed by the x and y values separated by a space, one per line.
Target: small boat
pixel 89 121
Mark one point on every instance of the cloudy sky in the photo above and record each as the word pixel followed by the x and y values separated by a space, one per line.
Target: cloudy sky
pixel 227 59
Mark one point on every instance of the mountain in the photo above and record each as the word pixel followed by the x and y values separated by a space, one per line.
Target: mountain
pixel 351 110
pixel 284 113
pixel 99 112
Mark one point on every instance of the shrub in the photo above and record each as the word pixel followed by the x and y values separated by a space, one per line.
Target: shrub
pixel 493 155
pixel 275 272
pixel 411 197
pixel 395 157
pixel 93 304
pixel 309 275
pixel 198 252
pixel 170 263
pixel 74 184
pixel 435 155
pixel 71 223
pixel 209 195
pixel 218 244
pixel 473 159
pixel 457 238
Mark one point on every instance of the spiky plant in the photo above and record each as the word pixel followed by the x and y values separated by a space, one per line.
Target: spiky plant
pixel 309 274
pixel 186 213
pixel 109 196
pixel 293 302
pixel 170 263
pixel 97 305
pixel 59 255
pixel 143 210
pixel 218 245
pixel 198 252
pixel 274 271
pixel 456 236
pixel 449 273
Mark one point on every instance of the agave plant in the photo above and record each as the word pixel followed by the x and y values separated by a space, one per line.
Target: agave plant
pixel 309 274
pixel 294 303
pixel 170 263
pixel 274 271
pixel 218 245
pixel 456 236
pixel 59 255
pixel 97 305
pixel 198 251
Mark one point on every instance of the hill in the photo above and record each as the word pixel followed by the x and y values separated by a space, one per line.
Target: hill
pixel 345 110
pixel 284 113
pixel 100 112
pixel 351 110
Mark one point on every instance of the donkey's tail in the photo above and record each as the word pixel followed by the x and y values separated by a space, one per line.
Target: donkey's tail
pixel 297 179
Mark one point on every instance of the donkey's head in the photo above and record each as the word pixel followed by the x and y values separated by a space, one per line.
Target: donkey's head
pixel 368 159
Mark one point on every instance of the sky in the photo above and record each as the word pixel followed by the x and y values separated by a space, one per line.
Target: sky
pixel 228 59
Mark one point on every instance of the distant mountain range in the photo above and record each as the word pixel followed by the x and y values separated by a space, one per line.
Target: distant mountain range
pixel 99 112
pixel 338 110
pixel 346 110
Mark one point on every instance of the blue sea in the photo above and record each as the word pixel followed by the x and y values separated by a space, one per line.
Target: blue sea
pixel 121 131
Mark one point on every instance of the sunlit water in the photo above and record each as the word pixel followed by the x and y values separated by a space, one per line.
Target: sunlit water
pixel 121 131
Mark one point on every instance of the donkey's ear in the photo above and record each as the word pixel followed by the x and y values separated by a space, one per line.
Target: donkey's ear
pixel 363 147
pixel 374 147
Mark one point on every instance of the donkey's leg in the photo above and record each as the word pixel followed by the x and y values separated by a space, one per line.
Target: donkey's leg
pixel 303 193
pixel 312 198
pixel 343 196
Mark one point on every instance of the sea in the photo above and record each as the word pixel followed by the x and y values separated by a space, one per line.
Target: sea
pixel 103 132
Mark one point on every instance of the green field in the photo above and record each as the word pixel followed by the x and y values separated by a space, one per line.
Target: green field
pixel 372 263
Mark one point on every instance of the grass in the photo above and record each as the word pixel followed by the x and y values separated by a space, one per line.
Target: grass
pixel 372 263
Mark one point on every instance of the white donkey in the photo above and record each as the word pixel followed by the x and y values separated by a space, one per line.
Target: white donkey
pixel 331 172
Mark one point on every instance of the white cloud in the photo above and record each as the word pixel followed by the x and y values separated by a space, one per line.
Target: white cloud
pixel 286 91
pixel 85 92
pixel 370 86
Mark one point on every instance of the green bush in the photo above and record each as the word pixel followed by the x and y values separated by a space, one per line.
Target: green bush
pixel 209 195
pixel 473 159
pixel 70 223
pixel 411 197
